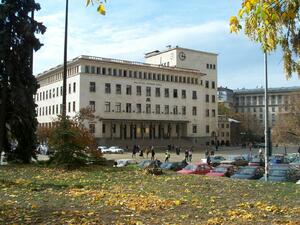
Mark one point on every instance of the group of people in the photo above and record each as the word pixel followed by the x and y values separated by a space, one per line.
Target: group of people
pixel 148 150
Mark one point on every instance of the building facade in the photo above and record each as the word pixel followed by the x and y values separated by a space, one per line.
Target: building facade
pixel 171 96
pixel 252 101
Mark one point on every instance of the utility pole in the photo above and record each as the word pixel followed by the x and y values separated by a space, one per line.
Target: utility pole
pixel 64 100
pixel 267 130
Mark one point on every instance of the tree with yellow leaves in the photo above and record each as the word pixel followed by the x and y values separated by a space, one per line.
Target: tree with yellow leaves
pixel 272 23
pixel 101 6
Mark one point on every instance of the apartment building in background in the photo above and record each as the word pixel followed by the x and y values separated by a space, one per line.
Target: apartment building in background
pixel 173 95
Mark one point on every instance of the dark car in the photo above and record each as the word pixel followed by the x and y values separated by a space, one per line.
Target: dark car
pixel 146 163
pixel 257 161
pixel 175 166
pixel 249 172
pixel 235 160
pixel 277 159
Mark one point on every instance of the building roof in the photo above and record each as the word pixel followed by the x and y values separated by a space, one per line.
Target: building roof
pixel 157 52
pixel 270 90
pixel 119 61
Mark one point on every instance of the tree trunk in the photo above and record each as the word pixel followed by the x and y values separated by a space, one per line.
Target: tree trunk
pixel 3 110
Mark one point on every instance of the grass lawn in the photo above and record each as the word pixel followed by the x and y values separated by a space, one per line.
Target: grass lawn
pixel 102 195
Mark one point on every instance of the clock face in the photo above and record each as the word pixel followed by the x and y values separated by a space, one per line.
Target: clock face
pixel 182 56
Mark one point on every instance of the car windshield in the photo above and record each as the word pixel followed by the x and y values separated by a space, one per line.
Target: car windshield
pixel 247 171
pixel 277 172
pixel 220 170
pixel 190 167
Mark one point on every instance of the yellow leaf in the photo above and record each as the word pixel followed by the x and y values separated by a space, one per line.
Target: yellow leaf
pixel 177 202
pixel 101 9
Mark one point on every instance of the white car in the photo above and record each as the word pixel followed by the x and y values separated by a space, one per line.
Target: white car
pixel 103 149
pixel 116 149
pixel 125 162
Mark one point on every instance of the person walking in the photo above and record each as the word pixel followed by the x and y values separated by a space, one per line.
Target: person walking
pixel 141 152
pixel 167 156
pixel 186 155
pixel 152 153
pixel 208 160
pixel 134 151
pixel 190 155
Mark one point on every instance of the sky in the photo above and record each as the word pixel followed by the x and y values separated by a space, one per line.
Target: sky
pixel 132 28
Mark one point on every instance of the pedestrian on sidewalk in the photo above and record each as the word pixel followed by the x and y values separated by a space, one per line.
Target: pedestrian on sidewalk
pixel 186 155
pixel 190 155
pixel 152 153
pixel 167 156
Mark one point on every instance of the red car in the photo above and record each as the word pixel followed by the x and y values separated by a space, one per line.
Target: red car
pixel 196 168
pixel 223 170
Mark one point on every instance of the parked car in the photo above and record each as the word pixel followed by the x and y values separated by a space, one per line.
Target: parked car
pixel 235 160
pixel 116 149
pixel 257 161
pixel 223 170
pixel 216 160
pixel 278 173
pixel 277 159
pixel 291 157
pixel 125 162
pixel 147 162
pixel 249 172
pixel 103 149
pixel 296 163
pixel 175 166
pixel 196 168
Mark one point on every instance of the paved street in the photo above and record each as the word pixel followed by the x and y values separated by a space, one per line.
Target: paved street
pixel 199 154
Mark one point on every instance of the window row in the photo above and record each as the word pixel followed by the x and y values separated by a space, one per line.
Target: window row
pixel 140 75
pixel 55 92
pixel 194 129
pixel 55 109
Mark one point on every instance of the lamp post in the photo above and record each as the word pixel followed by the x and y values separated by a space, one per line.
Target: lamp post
pixel 64 97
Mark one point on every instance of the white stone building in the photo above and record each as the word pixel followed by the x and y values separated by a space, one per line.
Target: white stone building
pixel 171 96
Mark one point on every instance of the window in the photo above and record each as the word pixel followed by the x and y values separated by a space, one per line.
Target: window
pixel 103 128
pixel 207 66
pixel 183 94
pixel 128 107
pixel 227 125
pixel 74 88
pixel 148 108
pixel 207 113
pixel 194 96
pixel 87 69
pixel 148 91
pixel 183 110
pixel 56 109
pixel 167 92
pixel 194 129
pixel 206 98
pixel 107 107
pixel 194 111
pixel 74 107
pixel 175 109
pixel 69 108
pixel 92 106
pixel 113 128
pixel 138 90
pixel 213 98
pixel 157 109
pixel 92 128
pixel 98 70
pixel 115 72
pixel 207 129
pixel 107 88
pixel 213 85
pixel 70 89
pixel 118 107
pixel 167 111
pixel 207 84
pixel 138 108
pixel 128 89
pixel 175 93
pixel 50 94
pixel 213 113
pixel 92 87
pixel 92 69
pixel 157 92
pixel 46 95
pixel 118 89
pixel 273 109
